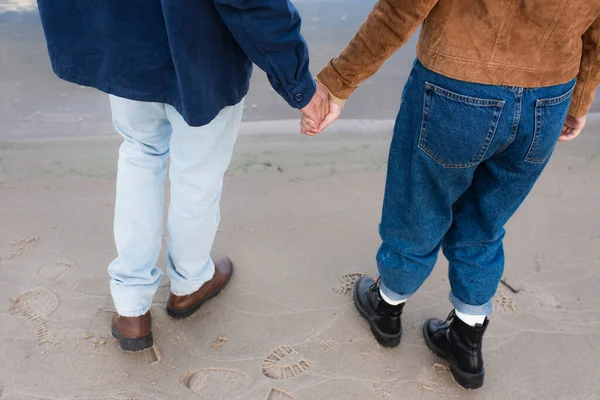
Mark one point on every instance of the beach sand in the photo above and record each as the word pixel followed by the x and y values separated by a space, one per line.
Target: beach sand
pixel 299 219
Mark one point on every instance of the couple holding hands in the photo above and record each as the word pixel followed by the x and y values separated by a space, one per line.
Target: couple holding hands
pixel 496 85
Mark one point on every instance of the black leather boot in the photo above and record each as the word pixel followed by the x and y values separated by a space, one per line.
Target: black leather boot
pixel 460 344
pixel 383 317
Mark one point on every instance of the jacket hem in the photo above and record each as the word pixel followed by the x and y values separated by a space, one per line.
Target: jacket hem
pixel 493 74
pixel 194 118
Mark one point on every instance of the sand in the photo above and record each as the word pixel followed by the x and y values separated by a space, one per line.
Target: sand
pixel 299 219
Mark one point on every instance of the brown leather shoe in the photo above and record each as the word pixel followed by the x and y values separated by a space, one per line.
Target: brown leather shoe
pixel 133 333
pixel 184 306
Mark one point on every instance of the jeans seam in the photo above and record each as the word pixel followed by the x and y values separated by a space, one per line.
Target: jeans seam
pixel 516 123
pixel 556 100
pixel 536 137
pixel 466 245
pixel 463 98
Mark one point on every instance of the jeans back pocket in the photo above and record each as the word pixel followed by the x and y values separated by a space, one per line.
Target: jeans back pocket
pixel 457 130
pixel 550 115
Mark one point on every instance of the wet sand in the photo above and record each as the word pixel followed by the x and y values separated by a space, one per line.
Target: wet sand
pixel 34 103
pixel 300 221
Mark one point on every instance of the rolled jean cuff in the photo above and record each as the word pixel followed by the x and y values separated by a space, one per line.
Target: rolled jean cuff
pixel 392 295
pixel 181 286
pixel 185 291
pixel 135 313
pixel 484 309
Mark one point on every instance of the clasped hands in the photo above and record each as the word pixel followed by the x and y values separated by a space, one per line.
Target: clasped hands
pixel 319 113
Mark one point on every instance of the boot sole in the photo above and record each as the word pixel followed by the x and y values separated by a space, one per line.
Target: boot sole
pixel 133 344
pixel 382 338
pixel 463 379
pixel 186 312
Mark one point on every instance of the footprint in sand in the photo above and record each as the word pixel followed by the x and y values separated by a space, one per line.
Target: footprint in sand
pixel 36 305
pixel 547 300
pixel 18 247
pixel 436 379
pixel 218 383
pixel 54 274
pixel 326 345
pixel 346 284
pixel 504 302
pixel 277 394
pixel 283 363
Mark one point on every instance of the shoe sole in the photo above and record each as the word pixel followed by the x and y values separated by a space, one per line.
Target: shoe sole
pixel 186 312
pixel 382 338
pixel 463 379
pixel 133 344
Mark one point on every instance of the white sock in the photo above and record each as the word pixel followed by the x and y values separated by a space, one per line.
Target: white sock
pixel 470 320
pixel 390 301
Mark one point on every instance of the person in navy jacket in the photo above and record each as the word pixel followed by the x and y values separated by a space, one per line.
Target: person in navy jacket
pixel 177 73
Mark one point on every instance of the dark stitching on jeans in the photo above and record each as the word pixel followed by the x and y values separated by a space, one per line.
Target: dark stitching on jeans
pixel 555 100
pixel 463 98
pixel 517 121
pixel 425 121
pixel 536 138
pixel 499 104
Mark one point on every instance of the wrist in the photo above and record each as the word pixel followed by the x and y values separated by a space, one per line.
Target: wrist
pixel 331 96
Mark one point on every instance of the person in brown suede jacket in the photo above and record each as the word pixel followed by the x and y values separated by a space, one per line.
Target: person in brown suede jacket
pixel 495 86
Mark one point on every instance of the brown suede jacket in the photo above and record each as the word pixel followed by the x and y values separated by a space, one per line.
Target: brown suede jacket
pixel 531 43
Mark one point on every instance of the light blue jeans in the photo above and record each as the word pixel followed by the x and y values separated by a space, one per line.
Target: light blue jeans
pixel 199 157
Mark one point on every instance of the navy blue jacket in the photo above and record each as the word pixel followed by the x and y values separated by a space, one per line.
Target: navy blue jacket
pixel 192 54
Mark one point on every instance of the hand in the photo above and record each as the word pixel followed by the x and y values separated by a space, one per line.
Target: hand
pixel 335 110
pixel 572 128
pixel 315 111
pixel 307 125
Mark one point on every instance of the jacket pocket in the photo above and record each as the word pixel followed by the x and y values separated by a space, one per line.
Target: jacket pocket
pixel 550 115
pixel 457 130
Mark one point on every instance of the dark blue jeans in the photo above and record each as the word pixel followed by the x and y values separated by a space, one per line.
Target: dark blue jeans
pixel 463 158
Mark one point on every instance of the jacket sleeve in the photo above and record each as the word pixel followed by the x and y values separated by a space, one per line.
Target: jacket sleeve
pixel 269 32
pixel 389 25
pixel 589 72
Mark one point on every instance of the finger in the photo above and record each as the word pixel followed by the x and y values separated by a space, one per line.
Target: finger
pixel 323 104
pixel 316 114
pixel 565 138
pixel 575 134
pixel 332 116
pixel 325 109
pixel 310 122
pixel 309 132
pixel 569 136
pixel 306 121
pixel 564 135
pixel 307 129
pixel 304 129
pixel 311 117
